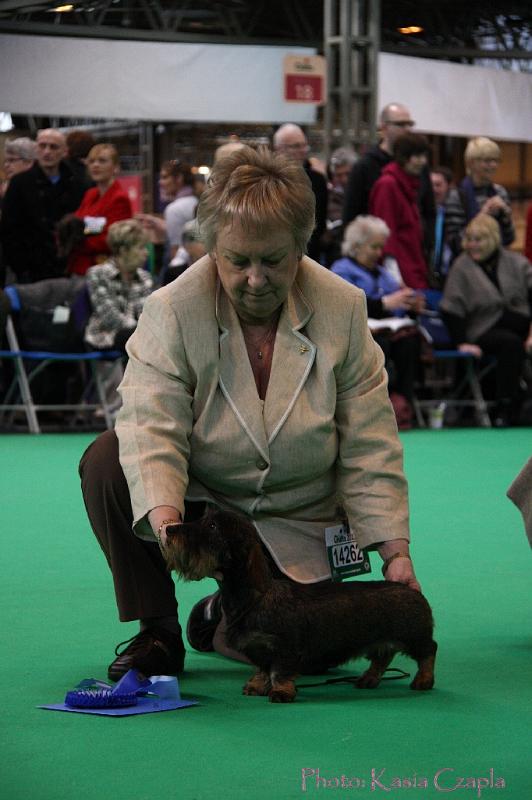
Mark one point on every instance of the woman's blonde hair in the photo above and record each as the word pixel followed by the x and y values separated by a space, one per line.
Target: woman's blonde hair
pixel 260 189
pixel 360 230
pixel 484 224
pixel 480 147
pixel 126 233
pixel 95 151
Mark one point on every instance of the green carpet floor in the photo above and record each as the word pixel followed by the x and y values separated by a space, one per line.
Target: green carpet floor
pixel 58 623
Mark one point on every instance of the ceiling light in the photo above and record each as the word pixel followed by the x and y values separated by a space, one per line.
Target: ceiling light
pixel 62 9
pixel 411 29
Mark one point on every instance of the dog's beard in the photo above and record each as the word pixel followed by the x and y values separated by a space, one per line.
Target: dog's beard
pixel 190 566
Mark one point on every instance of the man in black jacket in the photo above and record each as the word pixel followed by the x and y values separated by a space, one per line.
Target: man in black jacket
pixel 394 120
pixel 34 202
pixel 290 139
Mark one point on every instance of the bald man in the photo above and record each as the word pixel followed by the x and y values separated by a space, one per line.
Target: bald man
pixel 290 139
pixel 394 120
pixel 34 202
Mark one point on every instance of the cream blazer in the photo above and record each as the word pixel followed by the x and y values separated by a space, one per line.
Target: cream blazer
pixel 193 426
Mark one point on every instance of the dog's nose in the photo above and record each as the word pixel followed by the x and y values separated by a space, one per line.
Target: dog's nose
pixel 172 530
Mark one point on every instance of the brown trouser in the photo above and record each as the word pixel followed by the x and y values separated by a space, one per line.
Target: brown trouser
pixel 143 585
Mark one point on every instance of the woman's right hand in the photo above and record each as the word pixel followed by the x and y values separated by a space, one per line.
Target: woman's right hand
pixel 399 301
pixel 154 226
pixel 472 349
pixel 494 206
pixel 161 516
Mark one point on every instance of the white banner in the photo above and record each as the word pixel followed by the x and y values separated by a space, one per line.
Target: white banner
pixel 56 76
pixel 71 77
pixel 457 99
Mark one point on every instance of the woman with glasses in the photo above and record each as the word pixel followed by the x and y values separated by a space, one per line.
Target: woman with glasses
pixel 19 155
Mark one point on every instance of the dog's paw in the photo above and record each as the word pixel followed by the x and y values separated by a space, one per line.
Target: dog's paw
pixel 258 685
pixel 422 683
pixel 368 681
pixel 282 696
pixel 254 691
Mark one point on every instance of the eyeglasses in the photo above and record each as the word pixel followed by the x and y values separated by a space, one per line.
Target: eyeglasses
pixel 12 159
pixel 296 146
pixel 476 237
pixel 400 123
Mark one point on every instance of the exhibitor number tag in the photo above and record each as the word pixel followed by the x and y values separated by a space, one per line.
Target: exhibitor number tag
pixel 345 556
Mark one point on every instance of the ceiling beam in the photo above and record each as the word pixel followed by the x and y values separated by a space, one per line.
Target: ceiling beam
pixel 112 32
pixel 14 5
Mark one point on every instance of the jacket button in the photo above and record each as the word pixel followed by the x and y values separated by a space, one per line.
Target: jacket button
pixel 261 464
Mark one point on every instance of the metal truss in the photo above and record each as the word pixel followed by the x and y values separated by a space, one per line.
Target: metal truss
pixel 351 43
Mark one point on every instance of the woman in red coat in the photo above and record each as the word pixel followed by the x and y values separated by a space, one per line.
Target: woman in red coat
pixel 105 203
pixel 394 199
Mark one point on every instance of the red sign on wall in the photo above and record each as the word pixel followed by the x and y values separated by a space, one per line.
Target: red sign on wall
pixel 303 89
pixel 304 79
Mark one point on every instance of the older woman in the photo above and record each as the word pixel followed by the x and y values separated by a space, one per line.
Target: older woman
pixel 118 288
pixel 252 384
pixel 363 246
pixel 19 156
pixel 479 193
pixel 487 306
pixel 105 203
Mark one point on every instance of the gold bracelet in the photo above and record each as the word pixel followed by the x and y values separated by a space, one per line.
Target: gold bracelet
pixel 161 526
pixel 392 558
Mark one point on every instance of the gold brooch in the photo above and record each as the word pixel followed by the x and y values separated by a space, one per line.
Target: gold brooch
pixel 303 348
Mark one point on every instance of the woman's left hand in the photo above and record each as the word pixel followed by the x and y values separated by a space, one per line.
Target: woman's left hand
pixel 401 570
pixel 400 567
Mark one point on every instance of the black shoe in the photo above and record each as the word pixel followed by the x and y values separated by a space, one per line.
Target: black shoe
pixel 203 621
pixel 154 651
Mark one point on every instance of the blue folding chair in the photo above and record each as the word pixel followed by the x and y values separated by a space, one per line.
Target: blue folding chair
pixel 30 363
pixel 464 392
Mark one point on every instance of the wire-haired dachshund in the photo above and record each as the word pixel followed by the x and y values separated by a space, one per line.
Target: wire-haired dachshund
pixel 287 628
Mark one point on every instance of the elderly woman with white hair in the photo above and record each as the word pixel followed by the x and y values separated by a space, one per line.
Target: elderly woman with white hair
pixel 362 249
pixel 19 155
pixel 478 192
pixel 487 307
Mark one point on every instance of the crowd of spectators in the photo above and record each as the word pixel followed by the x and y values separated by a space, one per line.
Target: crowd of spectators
pixel 386 221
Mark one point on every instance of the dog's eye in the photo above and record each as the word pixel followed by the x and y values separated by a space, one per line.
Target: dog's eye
pixel 212 526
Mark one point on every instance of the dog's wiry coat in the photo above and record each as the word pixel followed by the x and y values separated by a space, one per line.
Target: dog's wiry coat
pixel 286 628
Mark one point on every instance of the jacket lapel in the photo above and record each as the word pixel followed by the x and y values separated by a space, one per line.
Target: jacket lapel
pixel 293 357
pixel 236 376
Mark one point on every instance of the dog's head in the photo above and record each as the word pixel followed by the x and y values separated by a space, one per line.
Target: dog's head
pixel 211 547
